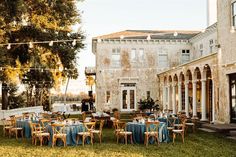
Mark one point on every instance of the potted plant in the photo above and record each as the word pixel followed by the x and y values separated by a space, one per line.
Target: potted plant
pixel 148 104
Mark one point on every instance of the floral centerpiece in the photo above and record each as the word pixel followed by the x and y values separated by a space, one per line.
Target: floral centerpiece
pixel 148 104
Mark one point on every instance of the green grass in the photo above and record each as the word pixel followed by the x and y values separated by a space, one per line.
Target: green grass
pixel 199 144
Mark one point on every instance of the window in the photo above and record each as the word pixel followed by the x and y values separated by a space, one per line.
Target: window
pixel 108 96
pixel 133 55
pixel 141 54
pixel 148 94
pixel 185 56
pixel 201 49
pixel 211 43
pixel 234 14
pixel 162 59
pixel 116 57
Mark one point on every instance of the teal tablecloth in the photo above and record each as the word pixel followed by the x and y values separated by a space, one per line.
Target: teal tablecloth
pixel 138 132
pixel 26 126
pixel 71 133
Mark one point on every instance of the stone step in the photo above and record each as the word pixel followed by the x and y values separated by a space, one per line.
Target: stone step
pixel 231 137
pixel 232 133
pixel 206 130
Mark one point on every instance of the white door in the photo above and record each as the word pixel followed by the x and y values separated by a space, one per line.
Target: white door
pixel 128 98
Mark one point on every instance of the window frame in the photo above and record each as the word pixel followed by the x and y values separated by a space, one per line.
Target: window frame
pixel 108 96
pixel 233 14
pixel 184 53
pixel 116 52
pixel 162 53
pixel 133 51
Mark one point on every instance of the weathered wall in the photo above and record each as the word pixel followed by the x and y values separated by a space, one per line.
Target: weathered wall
pixel 143 73
pixel 204 39
pixel 226 55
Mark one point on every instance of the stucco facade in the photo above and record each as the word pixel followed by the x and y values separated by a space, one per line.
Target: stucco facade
pixel 140 72
pixel 227 57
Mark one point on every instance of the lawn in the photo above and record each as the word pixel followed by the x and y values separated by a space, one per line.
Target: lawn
pixel 198 144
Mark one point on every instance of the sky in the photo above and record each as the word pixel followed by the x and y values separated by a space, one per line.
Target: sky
pixel 101 17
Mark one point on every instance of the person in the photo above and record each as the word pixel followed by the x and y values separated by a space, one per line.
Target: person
pixel 91 103
pixel 83 106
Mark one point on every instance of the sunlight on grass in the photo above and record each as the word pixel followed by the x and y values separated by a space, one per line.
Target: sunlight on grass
pixel 199 144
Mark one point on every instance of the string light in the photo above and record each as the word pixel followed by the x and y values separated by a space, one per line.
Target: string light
pixel 31 43
pixel 149 37
pixel 74 42
pixel 51 43
pixel 175 34
pixel 9 46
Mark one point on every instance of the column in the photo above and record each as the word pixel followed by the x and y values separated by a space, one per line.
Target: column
pixel 186 99
pixel 164 97
pixel 169 98
pixel 179 96
pixel 213 102
pixel 195 98
pixel 173 98
pixel 203 101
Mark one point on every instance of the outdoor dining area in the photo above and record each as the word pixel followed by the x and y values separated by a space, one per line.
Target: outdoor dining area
pixel 55 129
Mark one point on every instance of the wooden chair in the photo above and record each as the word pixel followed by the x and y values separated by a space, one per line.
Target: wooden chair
pixel 33 128
pixel 151 131
pixel 7 125
pixel 121 132
pixel 44 123
pixel 191 123
pixel 99 132
pixel 87 132
pixel 40 134
pixel 58 133
pixel 15 129
pixel 179 130
pixel 171 124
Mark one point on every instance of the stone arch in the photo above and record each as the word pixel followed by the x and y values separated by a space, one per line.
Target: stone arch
pixel 197 74
pixel 207 77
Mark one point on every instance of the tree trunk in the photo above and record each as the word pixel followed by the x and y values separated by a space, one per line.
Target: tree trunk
pixel 66 90
pixel 4 96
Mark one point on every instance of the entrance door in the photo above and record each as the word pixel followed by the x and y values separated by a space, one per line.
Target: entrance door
pixel 128 98
pixel 232 97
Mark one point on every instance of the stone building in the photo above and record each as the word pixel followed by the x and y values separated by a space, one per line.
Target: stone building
pixel 226 108
pixel 206 86
pixel 127 63
pixel 190 71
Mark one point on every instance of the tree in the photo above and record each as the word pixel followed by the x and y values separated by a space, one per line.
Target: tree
pixel 39 20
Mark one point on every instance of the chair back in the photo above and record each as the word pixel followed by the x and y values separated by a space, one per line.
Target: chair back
pixel 152 126
pixel 89 126
pixel 117 115
pixel 120 125
pixel 58 128
pixel 44 122
pixel 171 121
pixel 6 122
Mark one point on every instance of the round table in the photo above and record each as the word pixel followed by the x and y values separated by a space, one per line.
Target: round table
pixel 138 130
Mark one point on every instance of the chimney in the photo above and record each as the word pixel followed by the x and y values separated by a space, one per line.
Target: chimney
pixel 211 12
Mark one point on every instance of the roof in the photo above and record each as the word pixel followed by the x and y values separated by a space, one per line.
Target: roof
pixel 154 34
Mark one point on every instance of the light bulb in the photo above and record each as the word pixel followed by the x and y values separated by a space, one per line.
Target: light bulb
pixel 121 37
pixel 31 45
pixel 50 43
pixel 74 42
pixel 175 34
pixel 9 46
